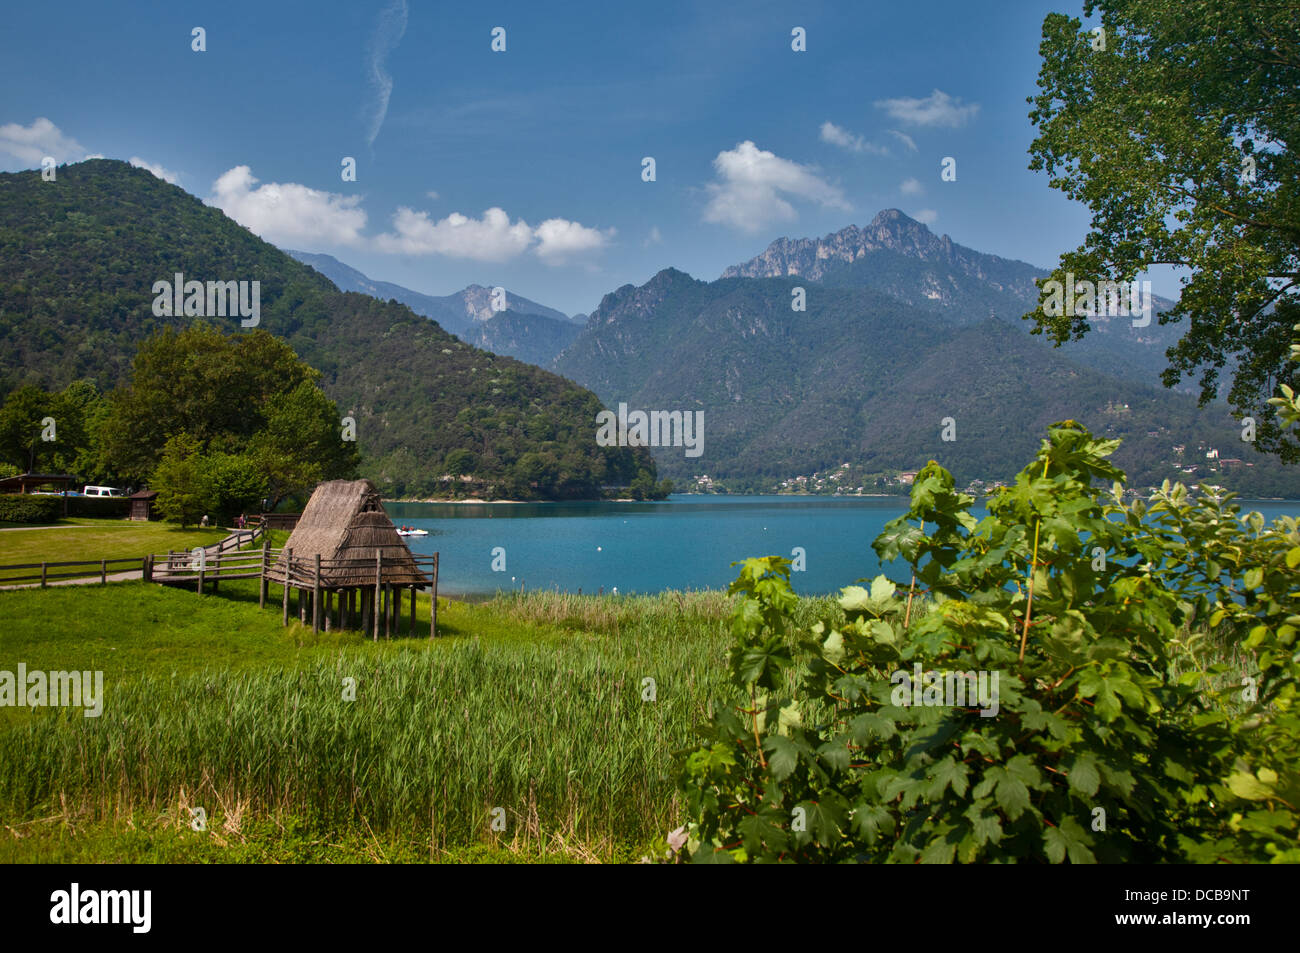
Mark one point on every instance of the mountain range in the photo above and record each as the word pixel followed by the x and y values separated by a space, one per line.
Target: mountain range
pixel 907 347
pixel 901 331
pixel 524 329
pixel 79 257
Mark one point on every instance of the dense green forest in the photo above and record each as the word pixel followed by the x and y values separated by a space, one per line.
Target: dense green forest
pixel 79 257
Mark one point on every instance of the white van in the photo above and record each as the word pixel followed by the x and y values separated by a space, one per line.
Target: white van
pixel 102 491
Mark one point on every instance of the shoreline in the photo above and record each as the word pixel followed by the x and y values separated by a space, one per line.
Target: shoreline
pixel 480 502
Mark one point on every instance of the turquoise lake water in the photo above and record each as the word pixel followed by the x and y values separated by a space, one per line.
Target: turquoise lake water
pixel 686 542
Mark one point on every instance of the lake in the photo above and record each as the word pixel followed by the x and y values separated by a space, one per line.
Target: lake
pixel 686 542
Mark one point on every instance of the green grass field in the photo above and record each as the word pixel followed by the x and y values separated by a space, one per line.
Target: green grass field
pixel 529 710
pixel 93 539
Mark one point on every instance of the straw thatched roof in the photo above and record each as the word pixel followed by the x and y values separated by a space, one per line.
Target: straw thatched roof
pixel 344 521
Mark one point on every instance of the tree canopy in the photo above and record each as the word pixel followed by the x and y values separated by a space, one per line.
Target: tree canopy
pixel 1172 121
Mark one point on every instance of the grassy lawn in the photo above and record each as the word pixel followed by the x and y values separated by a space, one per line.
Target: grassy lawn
pixel 96 539
pixel 533 704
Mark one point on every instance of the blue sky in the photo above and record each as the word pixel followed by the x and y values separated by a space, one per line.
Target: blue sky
pixel 551 132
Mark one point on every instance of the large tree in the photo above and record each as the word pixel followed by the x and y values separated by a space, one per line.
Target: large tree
pixel 43 431
pixel 244 394
pixel 1173 122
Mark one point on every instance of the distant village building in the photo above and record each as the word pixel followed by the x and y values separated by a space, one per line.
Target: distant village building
pixel 907 477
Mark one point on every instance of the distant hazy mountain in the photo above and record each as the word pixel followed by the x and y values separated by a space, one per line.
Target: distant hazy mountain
pixel 535 338
pixel 526 330
pixel 904 259
pixel 348 278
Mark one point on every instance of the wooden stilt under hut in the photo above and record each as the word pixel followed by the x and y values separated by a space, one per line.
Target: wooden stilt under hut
pixel 344 544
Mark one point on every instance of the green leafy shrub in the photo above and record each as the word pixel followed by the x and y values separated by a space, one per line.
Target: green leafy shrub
pixel 102 507
pixel 1140 661
pixel 28 508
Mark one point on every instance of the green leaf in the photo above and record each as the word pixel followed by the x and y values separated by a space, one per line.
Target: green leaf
pixel 854 599
pixel 1010 792
pixel 1249 787
pixel 1084 776
pixel 949 773
pixel 825 820
pixel 985 825
pixel 882 590
pixel 836 754
pixel 871 725
pixel 833 647
pixel 783 756
pixel 759 832
pixel 869 820
pixel 1067 839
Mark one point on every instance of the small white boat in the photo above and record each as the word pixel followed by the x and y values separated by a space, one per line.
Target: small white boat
pixel 412 532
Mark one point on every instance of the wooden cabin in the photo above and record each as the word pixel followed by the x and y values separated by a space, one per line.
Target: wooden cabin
pixel 142 505
pixel 345 549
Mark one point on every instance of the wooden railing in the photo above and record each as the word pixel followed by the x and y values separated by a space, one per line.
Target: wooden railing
pixel 45 576
pixel 371 594
pixel 240 538
pixel 377 597
pixel 278 520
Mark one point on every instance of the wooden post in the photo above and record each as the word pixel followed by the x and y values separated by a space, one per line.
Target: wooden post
pixel 329 607
pixel 433 601
pixel 288 567
pixel 410 630
pixel 345 605
pixel 146 569
pixel 203 563
pixel 388 612
pixel 261 589
pixel 363 597
pixel 379 575
pixel 103 571
pixel 42 575
pixel 316 596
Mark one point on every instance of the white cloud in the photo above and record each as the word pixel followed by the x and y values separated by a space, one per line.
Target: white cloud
pixel 93 155
pixel 165 174
pixel 30 144
pixel 432 195
pixel 937 109
pixel 905 139
pixel 388 33
pixel 490 238
pixel 911 187
pixel 749 193
pixel 288 213
pixel 927 216
pixel 654 238
pixel 558 239
pixel 838 136
pixel 494 237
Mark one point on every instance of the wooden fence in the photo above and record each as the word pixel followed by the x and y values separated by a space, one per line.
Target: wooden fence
pixel 45 576
pixel 279 520
pixel 370 599
pixel 373 606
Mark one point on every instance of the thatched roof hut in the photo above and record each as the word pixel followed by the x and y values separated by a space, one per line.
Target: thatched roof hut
pixel 345 523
